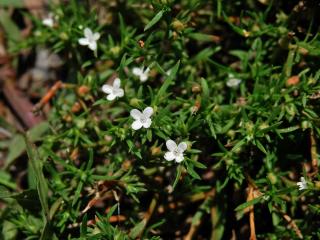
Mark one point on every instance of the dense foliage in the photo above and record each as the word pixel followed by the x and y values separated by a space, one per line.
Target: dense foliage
pixel 236 81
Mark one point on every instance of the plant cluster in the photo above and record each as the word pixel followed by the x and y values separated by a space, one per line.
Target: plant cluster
pixel 173 119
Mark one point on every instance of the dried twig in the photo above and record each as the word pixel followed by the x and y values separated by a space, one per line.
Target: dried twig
pixel 196 224
pixel 251 214
pixel 290 221
pixel 313 152
pixel 46 98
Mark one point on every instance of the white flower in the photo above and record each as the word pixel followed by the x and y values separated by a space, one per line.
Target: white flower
pixel 142 119
pixel 232 81
pixel 48 21
pixel 303 184
pixel 175 152
pixel 141 73
pixel 114 90
pixel 90 39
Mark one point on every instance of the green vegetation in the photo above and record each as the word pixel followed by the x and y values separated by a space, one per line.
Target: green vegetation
pixel 233 84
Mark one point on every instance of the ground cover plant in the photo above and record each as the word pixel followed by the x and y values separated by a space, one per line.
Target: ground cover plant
pixel 161 119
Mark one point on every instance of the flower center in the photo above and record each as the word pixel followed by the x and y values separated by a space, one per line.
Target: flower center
pixel 143 119
pixel 176 152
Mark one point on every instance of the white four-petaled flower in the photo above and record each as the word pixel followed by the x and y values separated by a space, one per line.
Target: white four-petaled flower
pixel 141 73
pixel 48 21
pixel 303 184
pixel 233 82
pixel 142 119
pixel 114 90
pixel 90 39
pixel 175 151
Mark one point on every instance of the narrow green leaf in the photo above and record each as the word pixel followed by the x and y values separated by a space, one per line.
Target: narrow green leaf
pixel 191 171
pixel 136 231
pixel 205 91
pixel 166 83
pixel 202 37
pixel 36 165
pixel 154 20
pixel 260 146
pixel 248 204
pixel 179 171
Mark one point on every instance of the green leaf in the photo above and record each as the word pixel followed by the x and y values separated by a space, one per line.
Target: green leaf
pixel 155 19
pixel 191 171
pixel 136 231
pixel 179 171
pixel 205 92
pixel 36 133
pixel 16 148
pixel 202 37
pixel 83 226
pixel 10 28
pixel 4 193
pixel 36 165
pixel 238 145
pixel 260 146
pixel 9 230
pixel 248 204
pixel 166 84
pixel 12 3
pixel 17 145
pixel 198 164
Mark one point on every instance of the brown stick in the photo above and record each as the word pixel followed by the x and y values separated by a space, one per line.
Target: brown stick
pixel 195 226
pixel 290 221
pixel 251 214
pixel 313 152
pixel 46 98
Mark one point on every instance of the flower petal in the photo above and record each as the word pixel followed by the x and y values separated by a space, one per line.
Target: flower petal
pixel 107 88
pixel 96 36
pixel 171 145
pixel 87 33
pixel 169 156
pixel 116 83
pixel 48 22
pixel 143 77
pixel 233 82
pixel 182 147
pixel 111 97
pixel 93 45
pixel 146 71
pixel 179 158
pixel 147 112
pixel 137 71
pixel 83 41
pixel 119 92
pixel 136 114
pixel 136 125
pixel 147 124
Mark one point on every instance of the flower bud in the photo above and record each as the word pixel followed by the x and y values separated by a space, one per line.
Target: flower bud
pixel 272 178
pixel 155 151
pixel 64 36
pixel 196 88
pixel 135 102
pixel 177 25
pixel 305 125
pixel 83 90
pixel 231 134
